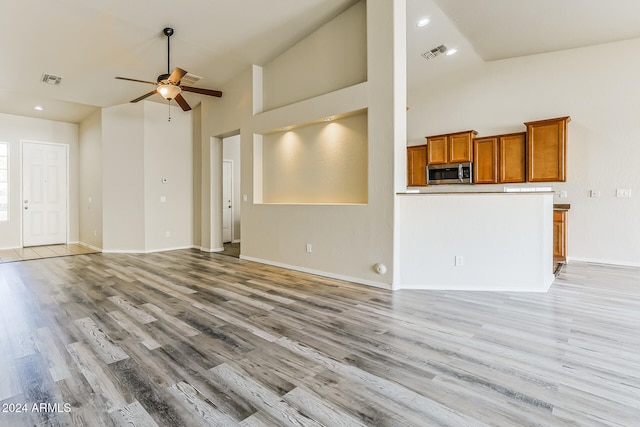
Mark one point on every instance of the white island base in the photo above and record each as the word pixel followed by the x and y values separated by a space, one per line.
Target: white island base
pixel 475 241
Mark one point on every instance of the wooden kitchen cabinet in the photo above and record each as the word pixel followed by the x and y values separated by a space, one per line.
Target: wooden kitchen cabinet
pixel 485 160
pixel 511 157
pixel 559 236
pixel 499 159
pixel 437 150
pixel 450 148
pixel 547 150
pixel 417 166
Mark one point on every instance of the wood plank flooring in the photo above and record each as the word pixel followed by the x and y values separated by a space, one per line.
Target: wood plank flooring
pixel 186 338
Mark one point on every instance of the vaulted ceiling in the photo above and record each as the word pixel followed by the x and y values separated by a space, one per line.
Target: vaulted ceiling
pixel 88 43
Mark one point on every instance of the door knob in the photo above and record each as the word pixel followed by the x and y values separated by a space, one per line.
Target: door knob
pixel 26 207
pixel 26 201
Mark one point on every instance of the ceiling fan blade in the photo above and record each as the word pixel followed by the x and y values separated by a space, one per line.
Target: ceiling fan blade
pixel 146 95
pixel 176 75
pixel 182 102
pixel 135 80
pixel 202 91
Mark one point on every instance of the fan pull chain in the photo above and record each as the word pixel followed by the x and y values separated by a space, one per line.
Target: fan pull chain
pixel 169 103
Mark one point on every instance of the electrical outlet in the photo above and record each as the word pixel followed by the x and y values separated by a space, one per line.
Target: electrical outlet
pixel 562 194
pixel 309 248
pixel 459 262
pixel 623 192
pixel 167 234
pixel 594 194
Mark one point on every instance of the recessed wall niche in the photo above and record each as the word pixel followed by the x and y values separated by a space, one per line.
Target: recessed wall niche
pixel 320 163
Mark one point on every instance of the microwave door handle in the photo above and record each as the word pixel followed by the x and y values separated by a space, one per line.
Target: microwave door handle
pixel 460 175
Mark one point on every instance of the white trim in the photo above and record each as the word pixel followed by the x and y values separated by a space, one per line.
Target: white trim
pixel 95 248
pixel 236 241
pixel 210 249
pixel 143 251
pixel 418 287
pixel 604 261
pixel 319 273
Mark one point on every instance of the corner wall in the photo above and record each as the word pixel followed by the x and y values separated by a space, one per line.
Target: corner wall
pixel 347 240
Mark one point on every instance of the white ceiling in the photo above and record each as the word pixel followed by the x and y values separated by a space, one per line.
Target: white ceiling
pixel 88 43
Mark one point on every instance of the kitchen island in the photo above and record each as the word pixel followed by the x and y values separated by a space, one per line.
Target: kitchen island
pixel 485 241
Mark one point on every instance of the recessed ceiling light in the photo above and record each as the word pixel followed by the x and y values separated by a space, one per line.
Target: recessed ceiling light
pixel 39 108
pixel 451 52
pixel 423 22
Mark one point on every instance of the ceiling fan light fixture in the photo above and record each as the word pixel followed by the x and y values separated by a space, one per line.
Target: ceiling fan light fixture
pixel 169 91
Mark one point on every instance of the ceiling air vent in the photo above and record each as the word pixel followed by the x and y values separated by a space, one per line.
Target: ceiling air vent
pixel 190 79
pixel 434 52
pixel 51 79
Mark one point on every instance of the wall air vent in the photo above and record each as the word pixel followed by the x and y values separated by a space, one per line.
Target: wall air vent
pixel 430 54
pixel 51 79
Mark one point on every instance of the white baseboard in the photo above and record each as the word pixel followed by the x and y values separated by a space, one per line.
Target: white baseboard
pixel 604 261
pixel 95 248
pixel 144 251
pixel 211 249
pixel 319 273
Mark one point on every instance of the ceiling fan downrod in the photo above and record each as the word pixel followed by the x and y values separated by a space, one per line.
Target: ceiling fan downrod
pixel 168 32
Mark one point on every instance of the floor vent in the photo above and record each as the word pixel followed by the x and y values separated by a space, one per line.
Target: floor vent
pixel 51 79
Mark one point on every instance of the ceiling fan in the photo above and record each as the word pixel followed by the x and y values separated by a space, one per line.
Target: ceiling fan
pixel 168 85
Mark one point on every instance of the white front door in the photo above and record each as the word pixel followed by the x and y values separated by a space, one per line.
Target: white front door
pixel 227 197
pixel 44 194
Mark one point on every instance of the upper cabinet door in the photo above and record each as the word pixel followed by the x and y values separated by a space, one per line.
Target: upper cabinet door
pixel 461 147
pixel 437 150
pixel 511 157
pixel 417 166
pixel 485 160
pixel 547 150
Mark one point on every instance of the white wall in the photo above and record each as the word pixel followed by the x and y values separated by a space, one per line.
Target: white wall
pixel 14 129
pixel 505 241
pixel 597 86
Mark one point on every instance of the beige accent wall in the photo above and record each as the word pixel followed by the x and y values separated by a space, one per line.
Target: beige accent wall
pixel 140 147
pixel 168 177
pixel 333 59
pixel 123 178
pixel 90 154
pixel 321 163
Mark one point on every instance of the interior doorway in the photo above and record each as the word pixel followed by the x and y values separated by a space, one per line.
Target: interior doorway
pixel 44 194
pixel 231 198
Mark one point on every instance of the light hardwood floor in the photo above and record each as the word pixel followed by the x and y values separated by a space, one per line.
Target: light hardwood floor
pixel 185 338
pixel 49 251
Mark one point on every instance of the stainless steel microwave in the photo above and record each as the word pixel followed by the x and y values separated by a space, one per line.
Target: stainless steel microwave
pixel 452 173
